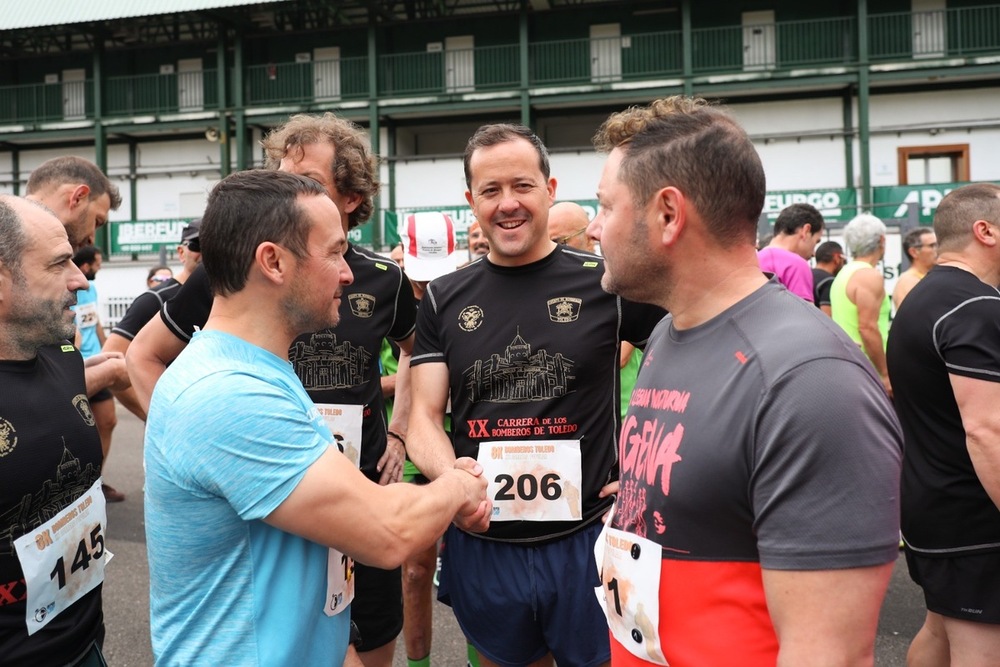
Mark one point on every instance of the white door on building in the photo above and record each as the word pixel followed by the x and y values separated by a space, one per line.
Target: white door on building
pixel 326 73
pixel 460 63
pixel 605 52
pixel 74 86
pixel 190 85
pixel 930 26
pixel 759 40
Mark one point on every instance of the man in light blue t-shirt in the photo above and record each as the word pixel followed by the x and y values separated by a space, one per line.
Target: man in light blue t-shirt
pixel 252 517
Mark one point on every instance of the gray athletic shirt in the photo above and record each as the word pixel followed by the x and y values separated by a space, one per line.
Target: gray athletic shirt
pixel 762 435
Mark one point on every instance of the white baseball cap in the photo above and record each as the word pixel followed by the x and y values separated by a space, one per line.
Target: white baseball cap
pixel 428 245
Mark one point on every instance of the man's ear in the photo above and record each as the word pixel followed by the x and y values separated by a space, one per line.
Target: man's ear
pixel 80 194
pixel 351 203
pixel 272 261
pixel 985 233
pixel 670 210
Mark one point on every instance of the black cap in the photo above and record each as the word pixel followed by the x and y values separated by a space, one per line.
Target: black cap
pixel 191 231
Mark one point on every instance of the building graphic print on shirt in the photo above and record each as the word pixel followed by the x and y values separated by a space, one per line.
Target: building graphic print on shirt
pixel 519 376
pixel 68 483
pixel 324 363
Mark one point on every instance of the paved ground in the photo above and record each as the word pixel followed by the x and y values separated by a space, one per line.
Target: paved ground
pixel 126 593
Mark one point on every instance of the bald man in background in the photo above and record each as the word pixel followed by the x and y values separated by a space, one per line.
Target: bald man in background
pixel 568 226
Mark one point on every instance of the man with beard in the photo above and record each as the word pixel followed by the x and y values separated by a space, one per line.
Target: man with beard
pixel 525 344
pixel 252 513
pixel 81 197
pixel 78 193
pixel 339 368
pixel 52 517
pixel 745 462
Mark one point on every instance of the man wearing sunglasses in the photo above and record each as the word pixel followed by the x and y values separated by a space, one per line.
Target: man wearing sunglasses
pixel 148 304
pixel 568 226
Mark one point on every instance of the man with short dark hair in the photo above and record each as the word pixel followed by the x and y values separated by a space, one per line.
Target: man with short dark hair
pixel 921 247
pixel 52 512
pixel 745 462
pixel 252 512
pixel 829 261
pixel 524 344
pixel 797 230
pixel 81 196
pixel 338 367
pixel 944 360
pixel 77 192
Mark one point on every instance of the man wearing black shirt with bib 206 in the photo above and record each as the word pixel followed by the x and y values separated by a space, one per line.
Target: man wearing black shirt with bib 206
pixel 525 343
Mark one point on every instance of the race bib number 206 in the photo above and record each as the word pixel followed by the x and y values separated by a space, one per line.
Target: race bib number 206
pixel 533 480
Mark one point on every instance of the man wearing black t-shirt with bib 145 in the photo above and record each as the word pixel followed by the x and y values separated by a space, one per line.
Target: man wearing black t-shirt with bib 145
pixel 52 512
pixel 944 361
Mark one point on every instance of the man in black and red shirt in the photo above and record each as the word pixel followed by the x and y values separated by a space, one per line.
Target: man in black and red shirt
pixel 759 458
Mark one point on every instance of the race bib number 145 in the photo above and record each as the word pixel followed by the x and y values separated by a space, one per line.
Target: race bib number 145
pixel 64 558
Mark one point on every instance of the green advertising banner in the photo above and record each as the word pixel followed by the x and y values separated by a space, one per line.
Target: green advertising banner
pixel 361 235
pixel 146 236
pixel 893 201
pixel 837 204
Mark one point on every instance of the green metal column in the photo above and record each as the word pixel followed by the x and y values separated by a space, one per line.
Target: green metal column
pixel 373 125
pixel 103 238
pixel 225 162
pixel 864 134
pixel 98 81
pixel 239 104
pixel 687 50
pixel 133 180
pixel 848 109
pixel 15 170
pixel 390 140
pixel 522 50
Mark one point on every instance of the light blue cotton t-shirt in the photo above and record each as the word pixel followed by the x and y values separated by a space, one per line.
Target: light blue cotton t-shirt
pixel 230 434
pixel 86 320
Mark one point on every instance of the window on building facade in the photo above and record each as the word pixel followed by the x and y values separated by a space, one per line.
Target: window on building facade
pixel 919 165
